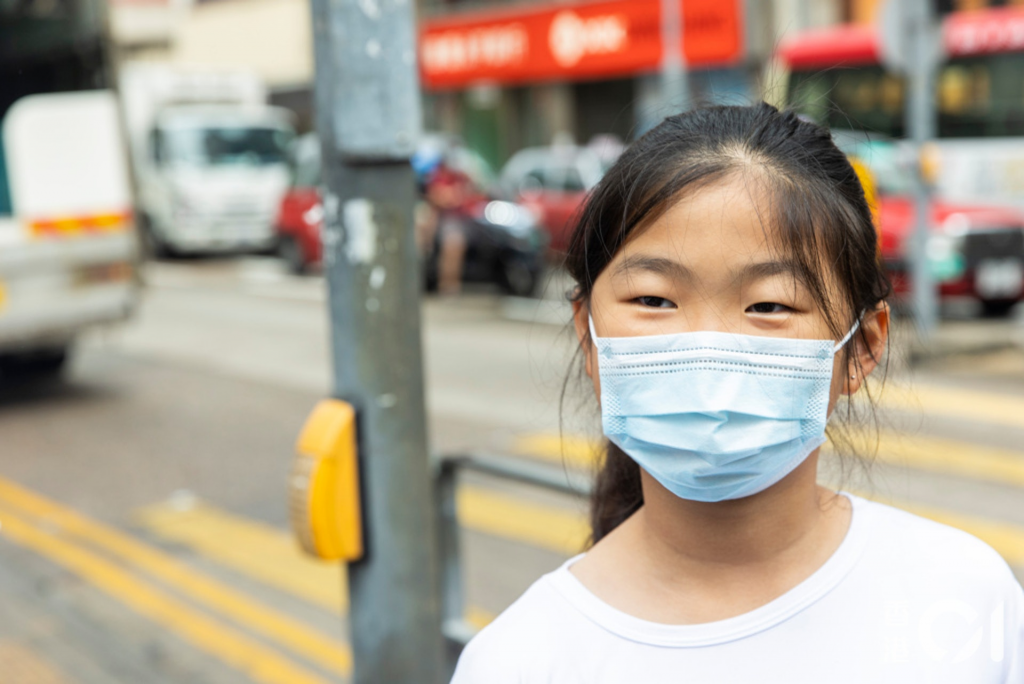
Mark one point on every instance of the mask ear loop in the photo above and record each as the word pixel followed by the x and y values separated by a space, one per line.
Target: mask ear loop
pixel 842 342
pixel 593 333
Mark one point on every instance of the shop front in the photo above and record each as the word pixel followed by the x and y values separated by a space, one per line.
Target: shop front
pixel 528 75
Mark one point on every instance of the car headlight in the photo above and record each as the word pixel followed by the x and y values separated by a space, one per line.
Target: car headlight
pixel 509 216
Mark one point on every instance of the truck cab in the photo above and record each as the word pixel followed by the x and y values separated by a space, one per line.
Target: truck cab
pixel 209 157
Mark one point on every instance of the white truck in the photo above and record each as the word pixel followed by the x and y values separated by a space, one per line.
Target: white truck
pixel 68 249
pixel 209 156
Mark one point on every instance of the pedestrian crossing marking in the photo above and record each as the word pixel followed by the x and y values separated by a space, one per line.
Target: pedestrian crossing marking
pixel 271 556
pixel 987 408
pixel 332 654
pixel 20 665
pixel 561 530
pixel 261 551
pixel 261 663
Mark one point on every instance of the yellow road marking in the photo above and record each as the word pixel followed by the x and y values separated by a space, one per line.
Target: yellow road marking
pixel 548 527
pixel 1007 540
pixel 263 552
pixel 205 529
pixel 234 648
pixel 266 553
pixel 332 654
pixel 963 404
pixel 20 664
pixel 952 457
pixel 913 451
pixel 575 450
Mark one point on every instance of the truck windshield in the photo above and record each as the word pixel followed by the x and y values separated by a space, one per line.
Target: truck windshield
pixel 225 146
pixel 977 97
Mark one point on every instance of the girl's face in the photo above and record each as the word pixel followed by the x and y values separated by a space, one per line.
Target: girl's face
pixel 708 264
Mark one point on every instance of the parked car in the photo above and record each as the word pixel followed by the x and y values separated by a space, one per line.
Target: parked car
pixel 974 250
pixel 504 244
pixel 300 216
pixel 554 181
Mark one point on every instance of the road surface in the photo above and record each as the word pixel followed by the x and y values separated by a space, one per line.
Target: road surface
pixel 142 498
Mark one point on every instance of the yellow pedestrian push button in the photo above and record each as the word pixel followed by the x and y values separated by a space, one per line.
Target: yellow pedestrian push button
pixel 324 500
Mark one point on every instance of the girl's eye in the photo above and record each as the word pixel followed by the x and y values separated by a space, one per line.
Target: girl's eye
pixel 768 308
pixel 654 302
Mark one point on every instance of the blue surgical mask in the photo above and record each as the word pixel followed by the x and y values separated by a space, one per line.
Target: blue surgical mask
pixel 715 416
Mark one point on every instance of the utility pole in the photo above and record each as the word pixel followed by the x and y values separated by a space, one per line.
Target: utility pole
pixel 675 87
pixel 911 45
pixel 923 51
pixel 368 118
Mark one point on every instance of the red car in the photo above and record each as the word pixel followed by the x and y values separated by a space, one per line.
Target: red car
pixel 554 181
pixel 300 218
pixel 973 251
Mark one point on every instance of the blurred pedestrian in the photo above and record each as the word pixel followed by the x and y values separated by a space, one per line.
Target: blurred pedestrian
pixel 448 192
pixel 441 216
pixel 729 299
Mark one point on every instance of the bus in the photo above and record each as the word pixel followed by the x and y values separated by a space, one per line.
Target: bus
pixel 836 77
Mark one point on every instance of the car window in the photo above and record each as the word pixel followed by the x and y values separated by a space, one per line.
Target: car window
pixel 536 178
pixel 572 180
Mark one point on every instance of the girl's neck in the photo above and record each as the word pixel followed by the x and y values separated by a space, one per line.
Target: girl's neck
pixel 752 530
pixel 687 562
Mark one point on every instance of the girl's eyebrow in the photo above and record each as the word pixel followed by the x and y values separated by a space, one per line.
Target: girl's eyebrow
pixel 653 264
pixel 769 269
pixel 761 270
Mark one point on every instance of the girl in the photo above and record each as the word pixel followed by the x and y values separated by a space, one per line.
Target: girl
pixel 729 294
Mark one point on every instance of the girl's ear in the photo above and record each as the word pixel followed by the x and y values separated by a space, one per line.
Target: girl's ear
pixel 870 346
pixel 581 321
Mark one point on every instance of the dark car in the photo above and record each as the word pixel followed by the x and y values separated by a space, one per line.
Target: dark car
pixel 503 245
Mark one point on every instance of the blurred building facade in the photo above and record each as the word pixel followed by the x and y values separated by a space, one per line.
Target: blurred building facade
pixel 505 74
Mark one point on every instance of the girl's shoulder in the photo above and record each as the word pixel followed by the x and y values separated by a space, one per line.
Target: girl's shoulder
pixel 936 548
pixel 525 638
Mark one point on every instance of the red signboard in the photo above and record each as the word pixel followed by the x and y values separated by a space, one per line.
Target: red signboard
pixel 592 40
pixel 995 30
pixel 963 33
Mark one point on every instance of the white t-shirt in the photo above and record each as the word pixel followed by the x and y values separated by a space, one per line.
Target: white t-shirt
pixel 902 600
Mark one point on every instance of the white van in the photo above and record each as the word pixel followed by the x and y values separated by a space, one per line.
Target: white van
pixel 68 248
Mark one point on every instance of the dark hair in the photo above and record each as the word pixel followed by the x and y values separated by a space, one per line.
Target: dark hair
pixel 817 206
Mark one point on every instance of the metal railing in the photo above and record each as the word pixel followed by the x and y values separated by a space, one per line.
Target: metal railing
pixel 457 630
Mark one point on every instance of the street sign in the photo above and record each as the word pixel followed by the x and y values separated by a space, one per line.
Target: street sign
pixel 896 23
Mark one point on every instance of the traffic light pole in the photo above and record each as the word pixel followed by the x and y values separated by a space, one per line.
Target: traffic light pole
pixel 675 92
pixel 368 117
pixel 923 52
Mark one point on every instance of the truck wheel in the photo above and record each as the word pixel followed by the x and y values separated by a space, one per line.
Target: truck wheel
pixel 290 251
pixel 152 244
pixel 43 363
pixel 997 308
pixel 519 278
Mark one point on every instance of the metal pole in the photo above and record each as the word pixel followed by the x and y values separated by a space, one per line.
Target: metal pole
pixel 675 87
pixel 922 50
pixel 368 116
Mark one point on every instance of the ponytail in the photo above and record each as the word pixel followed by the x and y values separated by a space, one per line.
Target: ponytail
pixel 617 493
